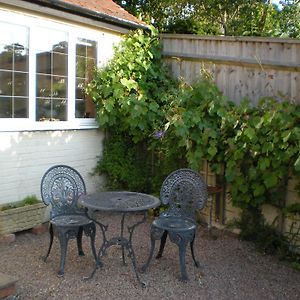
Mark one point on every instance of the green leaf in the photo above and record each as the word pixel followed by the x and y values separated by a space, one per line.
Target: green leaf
pixel 250 133
pixel 286 135
pixel 267 147
pixel 229 175
pixel 264 163
pixel 129 83
pixel 212 151
pixel 297 164
pixel 258 189
pixel 238 154
pixel 270 180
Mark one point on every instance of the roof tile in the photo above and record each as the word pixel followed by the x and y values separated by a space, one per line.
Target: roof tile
pixel 107 7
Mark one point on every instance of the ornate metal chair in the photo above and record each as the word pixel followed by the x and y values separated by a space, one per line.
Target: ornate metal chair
pixel 185 192
pixel 61 186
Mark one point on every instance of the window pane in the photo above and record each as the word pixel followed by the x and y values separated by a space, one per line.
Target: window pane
pixel 61 46
pixel 43 109
pixel 59 87
pixel 43 63
pixel 84 108
pixel 59 109
pixel 5 107
pixel 20 107
pixel 14 66
pixel 6 58
pixel 90 65
pixel 79 108
pixel 52 40
pixel 11 34
pixel 21 84
pixel 80 66
pixel 86 47
pixel 43 86
pixel 6 82
pixel 86 54
pixel 13 47
pixel 21 58
pixel 60 64
pixel 80 84
pixel 48 109
pixel 92 49
pixel 52 66
pixel 80 48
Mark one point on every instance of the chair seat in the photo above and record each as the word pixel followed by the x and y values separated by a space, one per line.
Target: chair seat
pixel 173 223
pixel 71 220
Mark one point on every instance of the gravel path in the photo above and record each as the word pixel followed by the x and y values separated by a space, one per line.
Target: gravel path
pixel 230 269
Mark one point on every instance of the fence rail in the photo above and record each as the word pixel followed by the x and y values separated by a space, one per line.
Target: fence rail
pixel 241 66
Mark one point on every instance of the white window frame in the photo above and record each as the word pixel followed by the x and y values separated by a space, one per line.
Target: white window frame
pixel 105 42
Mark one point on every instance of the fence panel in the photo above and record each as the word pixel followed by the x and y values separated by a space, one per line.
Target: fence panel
pixel 241 66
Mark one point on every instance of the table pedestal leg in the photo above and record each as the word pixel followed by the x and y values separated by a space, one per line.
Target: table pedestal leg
pixel 125 243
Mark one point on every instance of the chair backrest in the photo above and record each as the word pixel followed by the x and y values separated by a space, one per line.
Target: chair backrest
pixel 184 191
pixel 61 186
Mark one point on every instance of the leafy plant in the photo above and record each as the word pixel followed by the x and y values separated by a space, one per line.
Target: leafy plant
pixel 266 238
pixel 261 150
pixel 124 164
pixel 28 200
pixel 134 91
pixel 134 94
pixel 156 124
pixel 197 122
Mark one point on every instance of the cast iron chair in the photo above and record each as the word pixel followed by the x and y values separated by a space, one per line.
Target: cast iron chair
pixel 184 191
pixel 61 187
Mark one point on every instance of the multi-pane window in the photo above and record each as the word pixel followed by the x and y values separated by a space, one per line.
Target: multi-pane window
pixel 86 55
pixel 14 60
pixel 45 66
pixel 51 75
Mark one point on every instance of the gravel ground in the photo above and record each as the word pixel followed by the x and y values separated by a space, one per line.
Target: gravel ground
pixel 230 269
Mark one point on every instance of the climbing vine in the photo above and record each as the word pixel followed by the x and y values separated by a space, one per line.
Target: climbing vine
pixel 135 89
pixel 258 147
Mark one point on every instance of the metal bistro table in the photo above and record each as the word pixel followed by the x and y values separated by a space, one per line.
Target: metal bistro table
pixel 122 202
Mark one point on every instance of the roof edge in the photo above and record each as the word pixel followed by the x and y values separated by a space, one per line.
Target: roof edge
pixel 81 11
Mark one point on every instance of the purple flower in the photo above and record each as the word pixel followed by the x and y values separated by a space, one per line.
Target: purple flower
pixel 159 134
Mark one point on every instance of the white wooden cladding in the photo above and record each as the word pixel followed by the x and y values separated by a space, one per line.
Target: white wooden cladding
pixel 25 157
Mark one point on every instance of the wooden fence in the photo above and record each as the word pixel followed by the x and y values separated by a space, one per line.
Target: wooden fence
pixel 241 66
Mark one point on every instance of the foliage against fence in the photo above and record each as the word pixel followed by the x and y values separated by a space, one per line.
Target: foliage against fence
pixel 146 111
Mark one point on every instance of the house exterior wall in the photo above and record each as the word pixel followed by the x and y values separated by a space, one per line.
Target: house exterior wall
pixel 25 157
pixel 29 147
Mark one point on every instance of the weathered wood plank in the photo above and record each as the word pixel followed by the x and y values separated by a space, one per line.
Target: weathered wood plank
pixel 241 66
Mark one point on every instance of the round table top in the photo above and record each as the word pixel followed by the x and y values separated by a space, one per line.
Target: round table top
pixel 121 201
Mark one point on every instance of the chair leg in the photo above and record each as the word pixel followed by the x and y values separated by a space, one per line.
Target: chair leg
pixel 146 265
pixel 155 234
pixel 63 240
pixel 79 241
pixel 51 241
pixel 162 244
pixel 93 236
pixel 182 251
pixel 193 254
pixel 182 239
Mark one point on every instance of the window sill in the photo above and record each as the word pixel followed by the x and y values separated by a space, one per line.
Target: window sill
pixel 26 125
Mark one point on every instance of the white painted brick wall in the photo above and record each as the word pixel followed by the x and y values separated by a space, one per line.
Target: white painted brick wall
pixel 25 156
